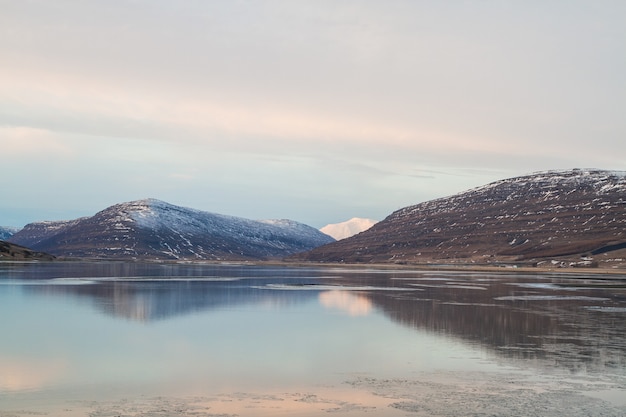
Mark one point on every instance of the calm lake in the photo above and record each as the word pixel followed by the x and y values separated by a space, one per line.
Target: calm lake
pixel 131 339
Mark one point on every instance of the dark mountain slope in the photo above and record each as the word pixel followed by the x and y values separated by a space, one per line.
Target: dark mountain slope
pixel 12 252
pixel 545 215
pixel 153 229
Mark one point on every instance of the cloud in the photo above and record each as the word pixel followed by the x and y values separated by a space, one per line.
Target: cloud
pixel 77 106
pixel 429 79
pixel 302 104
pixel 21 140
pixel 182 176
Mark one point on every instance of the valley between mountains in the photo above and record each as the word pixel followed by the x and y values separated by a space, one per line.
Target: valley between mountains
pixel 555 218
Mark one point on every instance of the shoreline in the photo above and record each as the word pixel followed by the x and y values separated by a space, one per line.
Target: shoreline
pixel 441 393
pixel 469 267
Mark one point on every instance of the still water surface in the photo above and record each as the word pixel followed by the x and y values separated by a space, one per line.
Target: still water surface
pixel 73 332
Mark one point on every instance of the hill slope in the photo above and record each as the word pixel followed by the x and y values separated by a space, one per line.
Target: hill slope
pixel 556 214
pixel 348 228
pixel 12 252
pixel 157 230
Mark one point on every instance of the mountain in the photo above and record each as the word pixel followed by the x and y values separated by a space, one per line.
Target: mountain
pixel 7 232
pixel 348 228
pixel 153 229
pixel 546 216
pixel 12 252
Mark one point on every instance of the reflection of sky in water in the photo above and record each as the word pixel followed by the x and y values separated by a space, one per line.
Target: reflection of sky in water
pixel 54 338
pixel 265 328
pixel 27 373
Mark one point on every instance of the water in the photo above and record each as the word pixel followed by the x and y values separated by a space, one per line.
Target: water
pixel 104 338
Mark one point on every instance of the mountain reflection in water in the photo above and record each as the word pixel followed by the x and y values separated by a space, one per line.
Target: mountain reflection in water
pixel 575 322
pixel 568 321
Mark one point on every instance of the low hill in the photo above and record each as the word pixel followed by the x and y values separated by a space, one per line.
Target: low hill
pixel 548 216
pixel 12 252
pixel 153 229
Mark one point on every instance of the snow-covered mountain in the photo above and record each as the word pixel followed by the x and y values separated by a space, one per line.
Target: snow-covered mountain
pixel 7 232
pixel 575 215
pixel 158 230
pixel 348 228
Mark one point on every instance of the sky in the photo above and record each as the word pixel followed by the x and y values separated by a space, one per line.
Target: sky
pixel 316 111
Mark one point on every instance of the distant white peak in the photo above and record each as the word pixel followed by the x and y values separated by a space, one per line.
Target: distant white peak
pixel 348 228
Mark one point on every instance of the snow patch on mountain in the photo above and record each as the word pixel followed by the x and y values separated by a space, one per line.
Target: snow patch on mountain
pixel 7 231
pixel 348 228
pixel 155 214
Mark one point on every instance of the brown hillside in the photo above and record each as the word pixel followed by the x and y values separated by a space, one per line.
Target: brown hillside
pixel 563 215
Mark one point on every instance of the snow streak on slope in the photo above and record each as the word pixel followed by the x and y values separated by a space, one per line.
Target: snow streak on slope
pixel 269 238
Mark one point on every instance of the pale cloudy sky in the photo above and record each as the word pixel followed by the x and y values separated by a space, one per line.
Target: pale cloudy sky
pixel 317 111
